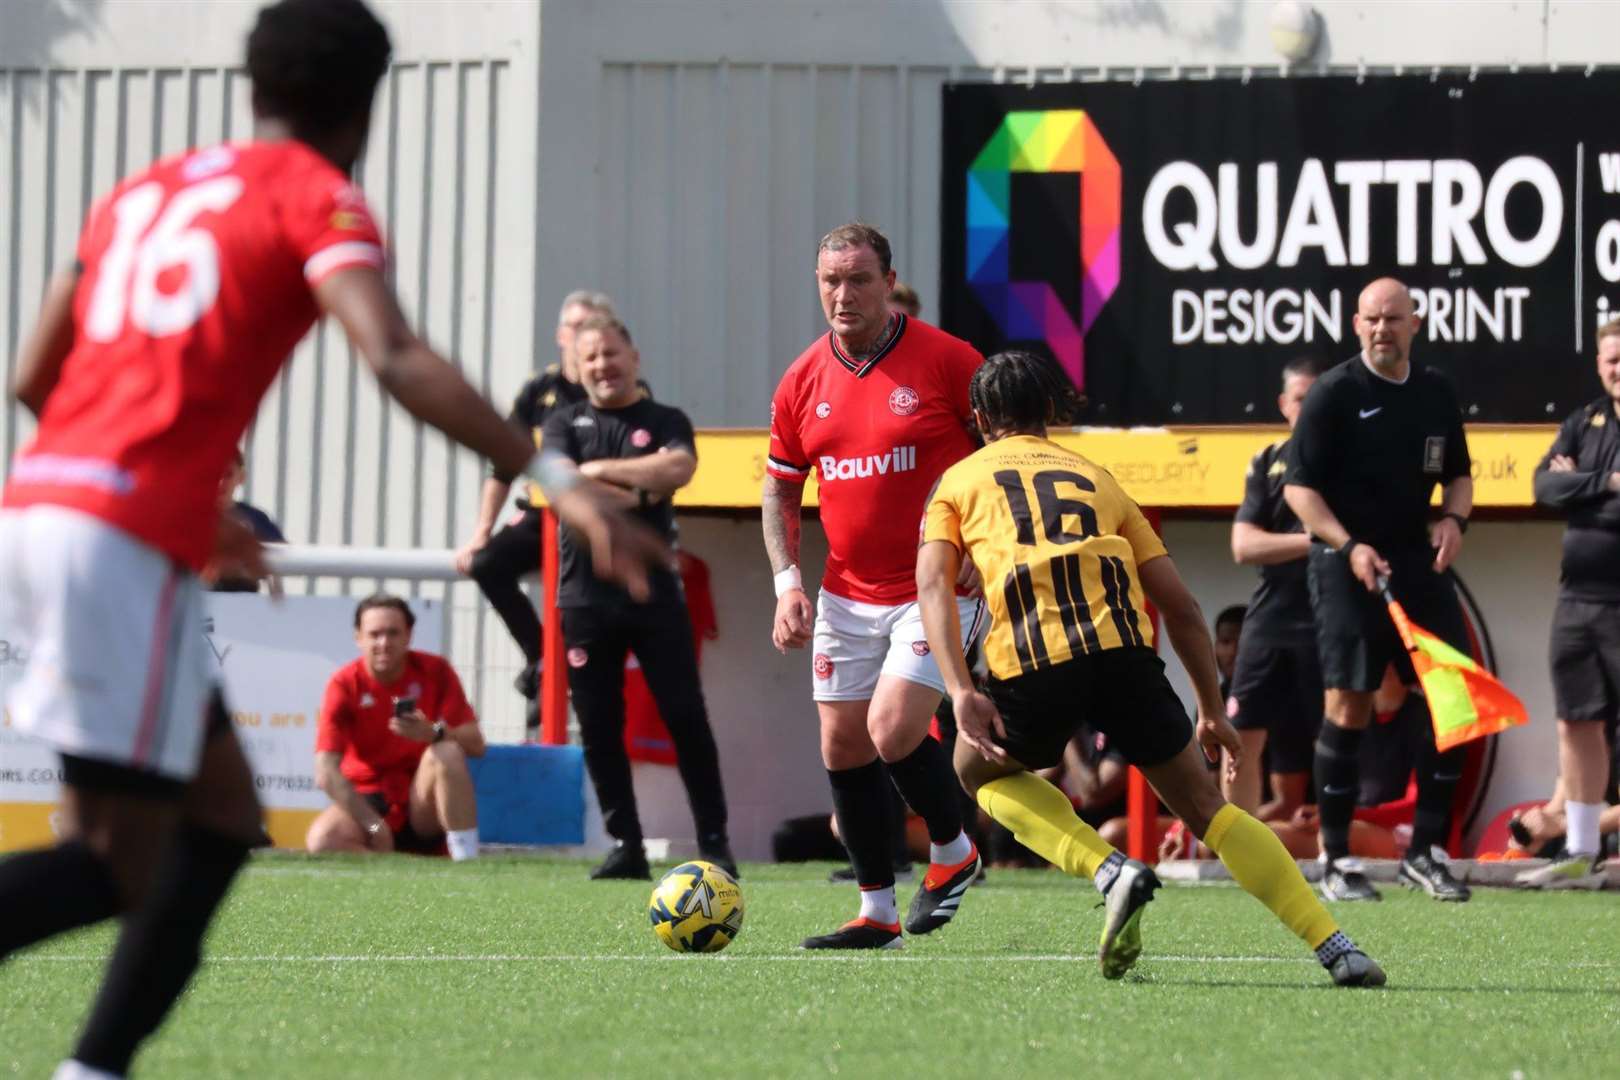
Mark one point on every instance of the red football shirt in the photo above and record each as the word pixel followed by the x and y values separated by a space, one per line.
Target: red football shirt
pixel 355 714
pixel 878 434
pixel 196 284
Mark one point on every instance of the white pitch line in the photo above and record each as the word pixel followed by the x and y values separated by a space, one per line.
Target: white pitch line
pixel 731 958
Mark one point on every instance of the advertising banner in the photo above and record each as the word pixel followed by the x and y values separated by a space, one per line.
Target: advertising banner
pixel 275 659
pixel 1173 243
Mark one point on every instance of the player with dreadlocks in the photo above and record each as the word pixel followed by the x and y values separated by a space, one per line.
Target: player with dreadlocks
pixel 193 282
pixel 1066 559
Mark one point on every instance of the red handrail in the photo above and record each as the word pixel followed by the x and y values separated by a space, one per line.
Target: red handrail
pixel 554 675
pixel 1141 802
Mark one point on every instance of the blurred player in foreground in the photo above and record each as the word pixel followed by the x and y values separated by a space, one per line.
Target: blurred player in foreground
pixel 193 282
pixel 1066 558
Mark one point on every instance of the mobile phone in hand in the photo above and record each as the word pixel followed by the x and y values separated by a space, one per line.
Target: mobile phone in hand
pixel 404 706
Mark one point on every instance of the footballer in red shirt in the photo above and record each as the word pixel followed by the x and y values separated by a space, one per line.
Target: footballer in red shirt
pixel 392 745
pixel 193 281
pixel 878 408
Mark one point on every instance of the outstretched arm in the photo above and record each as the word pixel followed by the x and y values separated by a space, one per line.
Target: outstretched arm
pixel 1189 636
pixel 432 390
pixel 39 361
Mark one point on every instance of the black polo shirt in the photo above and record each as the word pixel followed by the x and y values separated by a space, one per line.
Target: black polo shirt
pixel 539 398
pixel 1375 449
pixel 584 433
pixel 1591 566
pixel 1280 612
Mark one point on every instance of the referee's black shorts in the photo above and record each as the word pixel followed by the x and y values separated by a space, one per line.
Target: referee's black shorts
pixel 1120 692
pixel 1355 637
pixel 1278 689
pixel 1585 656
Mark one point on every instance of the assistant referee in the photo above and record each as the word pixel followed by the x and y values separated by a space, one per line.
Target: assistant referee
pixel 1374 437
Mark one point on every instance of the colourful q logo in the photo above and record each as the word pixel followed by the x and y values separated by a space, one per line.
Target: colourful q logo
pixel 1055 141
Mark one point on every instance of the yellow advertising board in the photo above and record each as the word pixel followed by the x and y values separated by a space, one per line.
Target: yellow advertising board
pixel 1176 467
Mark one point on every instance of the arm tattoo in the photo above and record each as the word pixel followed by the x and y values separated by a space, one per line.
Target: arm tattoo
pixel 780 507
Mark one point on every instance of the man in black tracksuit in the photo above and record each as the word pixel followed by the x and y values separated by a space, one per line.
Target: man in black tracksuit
pixel 1276 694
pixel 1374 437
pixel 499 560
pixel 1580 476
pixel 642 452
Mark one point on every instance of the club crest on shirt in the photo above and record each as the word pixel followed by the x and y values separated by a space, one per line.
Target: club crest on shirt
pixel 1231 707
pixel 640 438
pixel 920 648
pixel 823 411
pixel 904 401
pixel 1434 454
pixel 1598 420
pixel 823 666
pixel 366 700
pixel 577 657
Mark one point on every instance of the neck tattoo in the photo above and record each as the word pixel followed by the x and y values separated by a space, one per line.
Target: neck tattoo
pixel 884 337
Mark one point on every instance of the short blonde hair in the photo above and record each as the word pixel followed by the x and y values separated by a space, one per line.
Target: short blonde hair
pixel 1608 329
pixel 606 320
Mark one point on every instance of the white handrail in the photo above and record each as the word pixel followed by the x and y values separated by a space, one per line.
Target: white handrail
pixel 330 560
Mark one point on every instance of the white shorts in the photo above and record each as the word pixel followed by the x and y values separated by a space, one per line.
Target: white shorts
pixel 117 668
pixel 855 643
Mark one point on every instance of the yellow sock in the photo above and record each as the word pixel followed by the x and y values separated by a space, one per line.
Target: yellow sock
pixel 1044 821
pixel 1259 862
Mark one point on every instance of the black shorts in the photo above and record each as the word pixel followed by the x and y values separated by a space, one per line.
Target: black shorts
pixel 406 839
pixel 1585 657
pixel 1278 689
pixel 1355 637
pixel 1120 692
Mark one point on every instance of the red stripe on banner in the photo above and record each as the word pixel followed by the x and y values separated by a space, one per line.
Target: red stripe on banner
pixel 155 666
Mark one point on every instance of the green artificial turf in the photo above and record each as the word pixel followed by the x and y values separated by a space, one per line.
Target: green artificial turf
pixel 515 966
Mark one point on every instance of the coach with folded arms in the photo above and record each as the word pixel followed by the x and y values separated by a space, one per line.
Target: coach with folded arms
pixel 1580 477
pixel 1374 437
pixel 633 450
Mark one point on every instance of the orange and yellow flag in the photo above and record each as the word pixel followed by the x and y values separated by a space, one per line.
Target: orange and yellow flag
pixel 1466 702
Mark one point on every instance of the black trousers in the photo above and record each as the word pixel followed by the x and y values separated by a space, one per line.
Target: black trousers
pixel 660 635
pixel 512 552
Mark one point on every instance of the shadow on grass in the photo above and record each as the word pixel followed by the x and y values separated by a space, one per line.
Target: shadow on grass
pixel 1396 988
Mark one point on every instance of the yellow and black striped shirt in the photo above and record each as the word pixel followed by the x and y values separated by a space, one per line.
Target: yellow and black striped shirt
pixel 1057 542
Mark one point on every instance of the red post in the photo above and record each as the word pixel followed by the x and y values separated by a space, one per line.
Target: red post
pixel 1141 802
pixel 554 675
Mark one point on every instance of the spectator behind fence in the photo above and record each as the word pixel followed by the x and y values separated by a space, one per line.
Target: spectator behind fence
pixel 233 576
pixel 903 298
pixel 1580 476
pixel 392 745
pixel 500 561
pixel 632 449
pixel 1228 631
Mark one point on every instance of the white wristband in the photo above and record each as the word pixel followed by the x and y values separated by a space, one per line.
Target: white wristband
pixel 788 579
pixel 554 472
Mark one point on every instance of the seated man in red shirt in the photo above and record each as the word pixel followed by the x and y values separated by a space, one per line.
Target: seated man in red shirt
pixel 392 745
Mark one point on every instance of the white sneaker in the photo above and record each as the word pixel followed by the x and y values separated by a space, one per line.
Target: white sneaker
pixel 1565 872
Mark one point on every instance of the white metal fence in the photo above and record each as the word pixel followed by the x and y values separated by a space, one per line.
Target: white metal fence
pixel 477 644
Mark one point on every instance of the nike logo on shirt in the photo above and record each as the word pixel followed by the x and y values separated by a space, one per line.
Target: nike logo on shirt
pixel 1370 412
